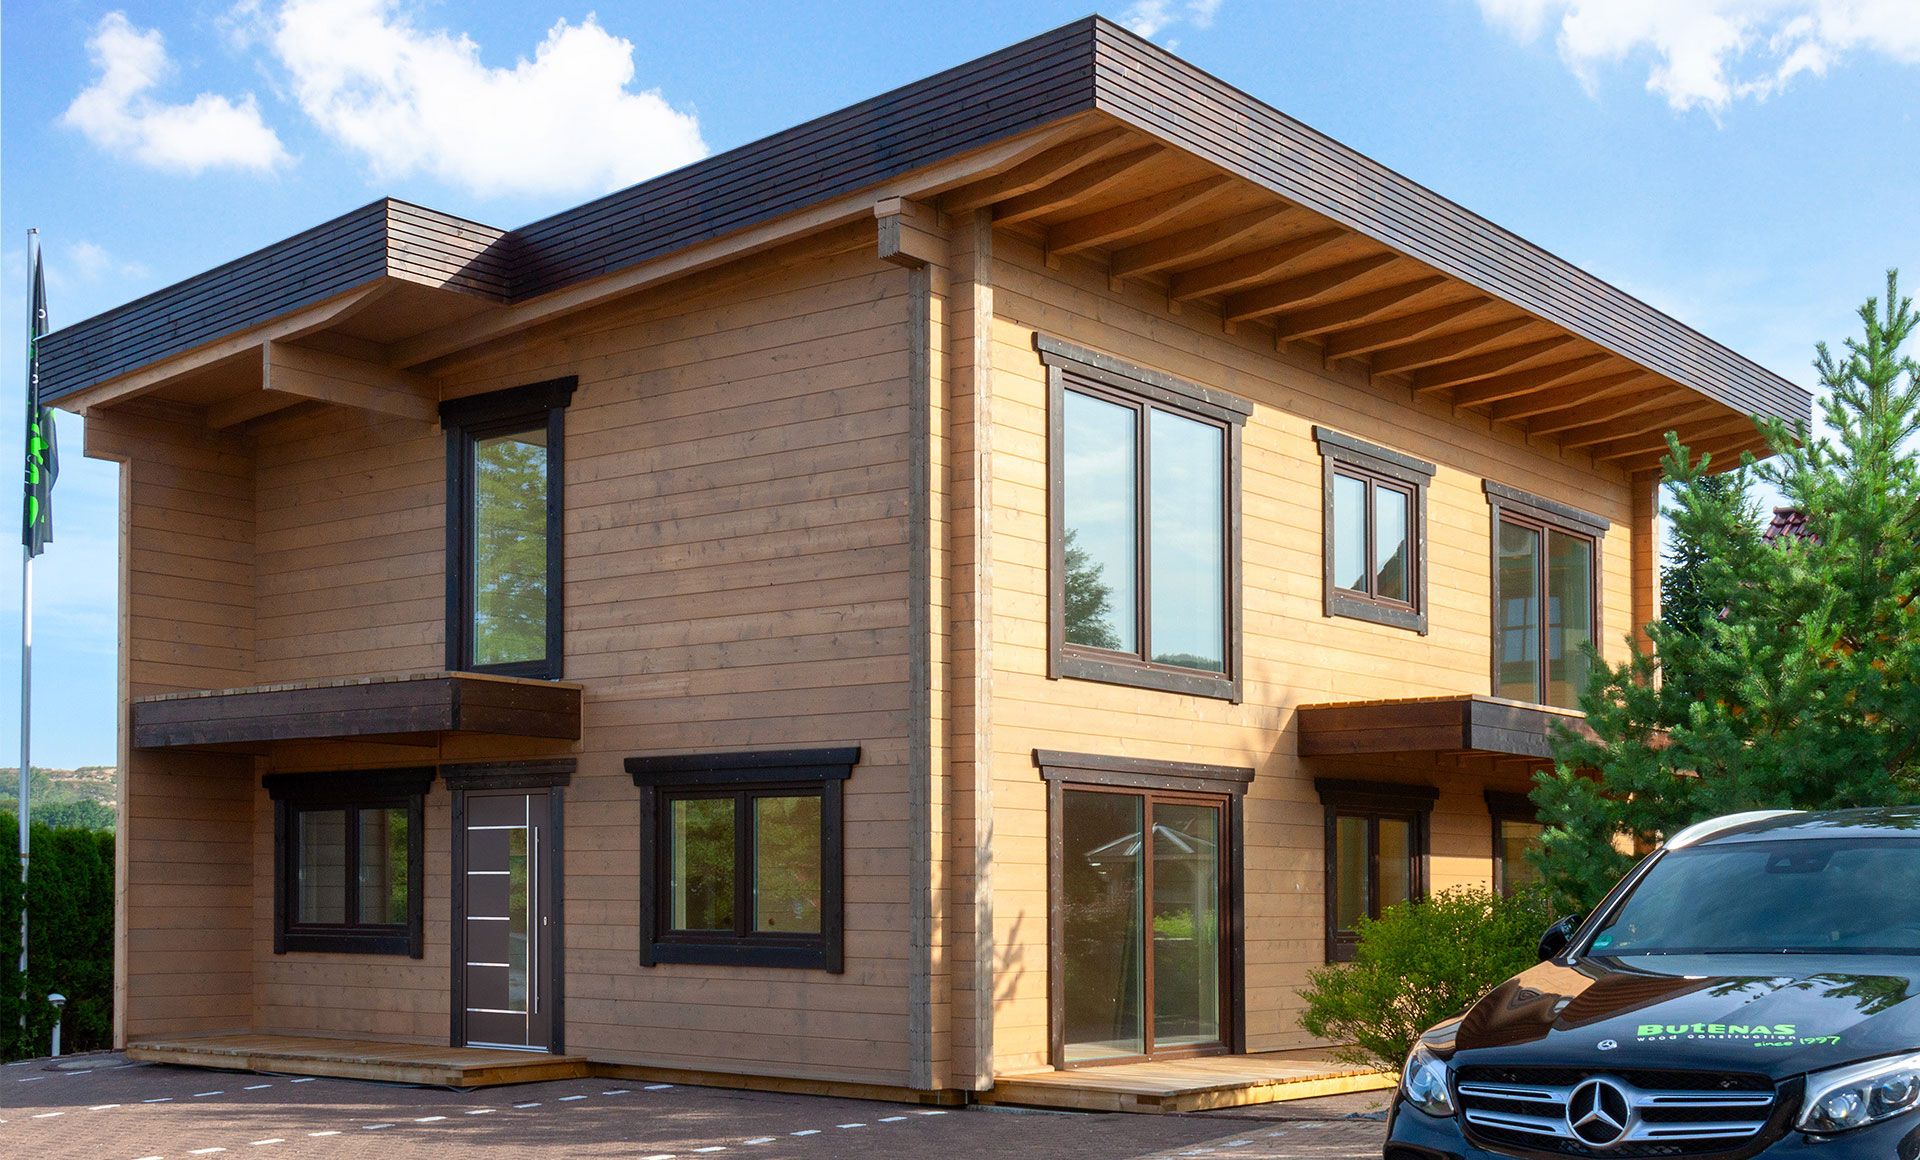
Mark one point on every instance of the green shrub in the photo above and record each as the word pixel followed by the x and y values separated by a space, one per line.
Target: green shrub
pixel 1420 963
pixel 70 897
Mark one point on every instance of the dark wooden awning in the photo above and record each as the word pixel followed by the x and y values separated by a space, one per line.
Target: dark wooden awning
pixel 1463 724
pixel 360 709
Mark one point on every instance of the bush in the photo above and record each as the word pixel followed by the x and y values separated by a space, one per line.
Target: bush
pixel 1420 963
pixel 70 896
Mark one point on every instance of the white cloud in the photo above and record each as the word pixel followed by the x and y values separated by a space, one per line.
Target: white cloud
pixel 1709 53
pixel 86 261
pixel 1150 18
pixel 117 113
pixel 412 100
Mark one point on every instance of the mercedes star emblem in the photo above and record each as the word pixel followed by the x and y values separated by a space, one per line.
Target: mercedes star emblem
pixel 1599 1114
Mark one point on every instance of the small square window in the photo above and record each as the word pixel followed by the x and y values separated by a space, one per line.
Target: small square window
pixel 347 851
pixel 1375 532
pixel 742 857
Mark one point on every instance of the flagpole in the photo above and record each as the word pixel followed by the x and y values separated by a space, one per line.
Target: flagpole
pixel 26 646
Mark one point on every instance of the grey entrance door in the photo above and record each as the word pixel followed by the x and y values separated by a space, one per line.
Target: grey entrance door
pixel 505 907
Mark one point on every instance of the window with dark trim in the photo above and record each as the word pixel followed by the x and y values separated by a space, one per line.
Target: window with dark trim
pixel 1516 834
pixel 1546 596
pixel 1376 853
pixel 1144 502
pixel 742 859
pixel 347 851
pixel 505 467
pixel 1375 521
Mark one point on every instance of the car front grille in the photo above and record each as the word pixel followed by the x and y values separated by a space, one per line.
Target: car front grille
pixel 1568 1112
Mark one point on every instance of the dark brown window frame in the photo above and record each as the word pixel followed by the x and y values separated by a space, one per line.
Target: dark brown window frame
pixel 1503 806
pixel 552 775
pixel 1525 509
pixel 1372 800
pixel 1377 467
pixel 1113 380
pixel 476 417
pixel 295 793
pixel 1061 770
pixel 741 776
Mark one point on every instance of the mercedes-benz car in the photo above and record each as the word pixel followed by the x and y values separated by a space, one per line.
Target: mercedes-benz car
pixel 1751 988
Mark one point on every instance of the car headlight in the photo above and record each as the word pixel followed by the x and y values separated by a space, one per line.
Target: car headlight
pixel 1865 1093
pixel 1424 1082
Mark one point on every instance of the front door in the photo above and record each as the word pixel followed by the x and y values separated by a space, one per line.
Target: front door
pixel 505 911
pixel 1143 893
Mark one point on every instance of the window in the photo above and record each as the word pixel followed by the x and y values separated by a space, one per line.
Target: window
pixel 504 481
pixel 1546 611
pixel 741 857
pixel 1375 531
pixel 1376 853
pixel 347 853
pixel 1516 834
pixel 1145 515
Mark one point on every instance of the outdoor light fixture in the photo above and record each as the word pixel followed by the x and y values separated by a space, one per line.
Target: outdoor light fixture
pixel 59 1002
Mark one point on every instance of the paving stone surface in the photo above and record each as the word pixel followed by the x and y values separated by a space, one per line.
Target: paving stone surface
pixel 120 1111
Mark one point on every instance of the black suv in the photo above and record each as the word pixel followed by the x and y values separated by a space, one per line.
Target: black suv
pixel 1752 988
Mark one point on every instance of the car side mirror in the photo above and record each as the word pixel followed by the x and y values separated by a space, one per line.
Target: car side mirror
pixel 1558 936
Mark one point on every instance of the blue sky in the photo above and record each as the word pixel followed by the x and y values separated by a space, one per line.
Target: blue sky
pixel 1746 165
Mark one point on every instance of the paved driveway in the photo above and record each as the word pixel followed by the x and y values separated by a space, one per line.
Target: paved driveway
pixel 121 1111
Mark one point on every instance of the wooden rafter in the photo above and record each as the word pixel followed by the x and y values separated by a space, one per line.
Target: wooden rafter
pixel 1626 426
pixel 1485 366
pixel 1656 442
pixel 1571 396
pixel 1109 225
pixel 1085 181
pixel 1350 311
pixel 1195 243
pixel 1413 356
pixel 1375 336
pixel 1037 171
pixel 1511 386
pixel 1631 402
pixel 1231 274
pixel 1280 296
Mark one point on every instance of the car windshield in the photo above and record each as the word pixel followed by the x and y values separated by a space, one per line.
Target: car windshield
pixel 1813 896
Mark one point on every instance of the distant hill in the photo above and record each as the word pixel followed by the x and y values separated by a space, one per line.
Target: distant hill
pixel 87 797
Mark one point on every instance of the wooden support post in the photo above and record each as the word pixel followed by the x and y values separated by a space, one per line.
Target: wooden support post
pixel 1644 537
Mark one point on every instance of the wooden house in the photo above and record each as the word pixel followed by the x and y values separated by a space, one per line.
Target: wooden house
pixel 997 578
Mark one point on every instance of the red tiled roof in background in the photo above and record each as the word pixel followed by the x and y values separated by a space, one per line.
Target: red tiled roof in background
pixel 1787 521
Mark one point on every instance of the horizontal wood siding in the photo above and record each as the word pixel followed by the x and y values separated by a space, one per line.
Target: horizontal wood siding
pixel 1294 654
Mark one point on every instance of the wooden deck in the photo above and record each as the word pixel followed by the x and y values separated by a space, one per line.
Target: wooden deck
pixel 455 1067
pixel 1188 1085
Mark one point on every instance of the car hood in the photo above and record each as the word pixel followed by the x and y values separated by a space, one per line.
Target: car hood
pixel 1776 1015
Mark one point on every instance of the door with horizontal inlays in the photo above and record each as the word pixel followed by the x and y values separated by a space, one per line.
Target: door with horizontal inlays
pixel 505 906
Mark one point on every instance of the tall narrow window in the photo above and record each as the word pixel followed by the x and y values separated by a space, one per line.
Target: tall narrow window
pixel 1376 853
pixel 1145 497
pixel 1375 531
pixel 504 579
pixel 1546 612
pixel 347 854
pixel 1516 835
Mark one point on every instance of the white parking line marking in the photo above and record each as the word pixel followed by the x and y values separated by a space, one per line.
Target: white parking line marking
pixel 935 1112
pixel 849 1125
pixel 268 1140
pixel 565 1099
pixel 891 1119
pixel 759 1140
pixel 429 1119
pixel 618 1092
pixel 82 1071
pixel 652 1087
pixel 480 1112
pixel 306 1079
pixel 714 1148
pixel 31 1079
pixel 202 1095
pixel 374 1127
pixel 102 1107
pixel 159 1100
pixel 255 1087
pixel 328 1132
pixel 805 1132
pixel 205 1151
pixel 48 1115
pixel 153 1158
pixel 532 1104
pixel 659 1156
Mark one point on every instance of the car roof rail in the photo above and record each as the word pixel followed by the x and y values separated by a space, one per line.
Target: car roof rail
pixel 1713 827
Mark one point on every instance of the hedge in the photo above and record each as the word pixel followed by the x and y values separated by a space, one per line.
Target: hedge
pixel 70 893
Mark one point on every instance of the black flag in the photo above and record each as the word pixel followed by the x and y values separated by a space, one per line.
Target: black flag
pixel 43 452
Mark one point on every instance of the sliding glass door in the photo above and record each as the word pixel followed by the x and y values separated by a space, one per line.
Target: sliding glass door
pixel 1143 891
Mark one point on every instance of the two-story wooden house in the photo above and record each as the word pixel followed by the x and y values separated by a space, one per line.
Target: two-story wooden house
pixel 999 577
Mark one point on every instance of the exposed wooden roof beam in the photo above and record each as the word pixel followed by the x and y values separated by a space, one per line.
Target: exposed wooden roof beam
pixel 1640 423
pixel 1378 335
pixel 1230 274
pixel 1636 446
pixel 1413 356
pixel 1572 396
pixel 1485 366
pixel 1086 181
pixel 1631 402
pixel 1110 225
pixel 1275 299
pixel 1037 171
pixel 1349 311
pixel 1504 387
pixel 1195 242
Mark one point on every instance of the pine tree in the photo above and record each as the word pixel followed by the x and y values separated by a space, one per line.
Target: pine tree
pixel 1801 688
